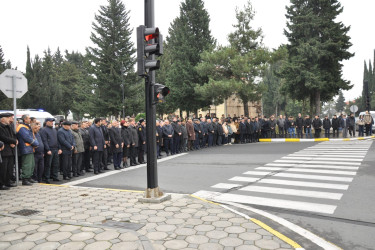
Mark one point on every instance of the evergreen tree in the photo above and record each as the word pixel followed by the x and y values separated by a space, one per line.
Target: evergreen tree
pixel 340 103
pixel 317 45
pixel 5 102
pixel 189 36
pixel 113 50
pixel 235 69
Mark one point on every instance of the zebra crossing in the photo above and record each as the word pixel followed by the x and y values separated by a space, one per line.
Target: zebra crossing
pixel 313 179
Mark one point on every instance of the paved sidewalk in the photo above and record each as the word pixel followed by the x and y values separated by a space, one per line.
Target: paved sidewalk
pixel 88 218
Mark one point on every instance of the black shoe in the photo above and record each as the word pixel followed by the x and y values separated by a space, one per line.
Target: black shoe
pixel 137 163
pixel 56 179
pixel 158 157
pixel 88 170
pixel 75 175
pixel 96 172
pixel 132 165
pixel 4 188
pixel 100 171
pixel 106 168
pixel 10 185
pixel 26 183
pixel 66 178
pixel 31 180
pixel 46 181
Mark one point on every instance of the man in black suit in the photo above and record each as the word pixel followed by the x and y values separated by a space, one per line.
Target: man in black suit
pixel 97 144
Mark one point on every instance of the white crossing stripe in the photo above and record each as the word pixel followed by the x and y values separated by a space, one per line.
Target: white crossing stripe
pixel 291 183
pixel 319 158
pixel 310 166
pixel 319 162
pixel 307 170
pixel 244 199
pixel 307 176
pixel 293 192
pixel 343 156
pixel 225 185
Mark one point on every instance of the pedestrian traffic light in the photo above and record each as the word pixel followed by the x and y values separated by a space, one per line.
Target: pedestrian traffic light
pixel 149 42
pixel 160 92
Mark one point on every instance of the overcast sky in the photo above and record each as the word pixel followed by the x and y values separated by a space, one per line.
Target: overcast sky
pixel 67 24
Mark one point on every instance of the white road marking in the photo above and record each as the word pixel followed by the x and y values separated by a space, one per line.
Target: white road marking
pixel 319 162
pixel 293 192
pixel 319 158
pixel 343 156
pixel 99 176
pixel 269 202
pixel 311 166
pixel 225 186
pixel 307 170
pixel 304 176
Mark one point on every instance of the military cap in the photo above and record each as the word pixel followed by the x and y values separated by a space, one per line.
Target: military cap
pixel 5 115
pixel 75 122
pixel 141 120
pixel 50 119
pixel 67 123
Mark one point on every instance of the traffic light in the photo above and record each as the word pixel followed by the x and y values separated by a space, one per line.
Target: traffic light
pixel 149 42
pixel 160 92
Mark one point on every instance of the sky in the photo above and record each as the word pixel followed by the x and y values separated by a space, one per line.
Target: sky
pixel 67 24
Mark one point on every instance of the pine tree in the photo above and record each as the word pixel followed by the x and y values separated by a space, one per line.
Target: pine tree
pixel 189 36
pixel 340 103
pixel 318 43
pixel 5 102
pixel 113 50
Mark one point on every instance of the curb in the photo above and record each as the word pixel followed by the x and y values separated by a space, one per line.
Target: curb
pixel 315 140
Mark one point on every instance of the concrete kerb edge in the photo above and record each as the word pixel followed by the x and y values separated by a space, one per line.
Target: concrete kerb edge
pixel 146 244
pixel 314 140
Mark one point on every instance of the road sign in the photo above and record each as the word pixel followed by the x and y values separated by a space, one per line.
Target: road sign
pixel 6 83
pixel 354 108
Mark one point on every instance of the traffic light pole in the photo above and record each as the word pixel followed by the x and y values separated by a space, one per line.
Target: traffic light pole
pixel 153 190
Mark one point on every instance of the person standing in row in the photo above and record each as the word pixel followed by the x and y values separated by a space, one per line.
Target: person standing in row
pixel 361 124
pixel 142 141
pixel 168 137
pixel 126 138
pixel 117 144
pixel 281 125
pixel 103 126
pixel 326 126
pixel 97 145
pixel 86 156
pixel 135 143
pixel 67 144
pixel 38 154
pixel 78 152
pixel 317 125
pixel 27 143
pixel 9 140
pixel 335 126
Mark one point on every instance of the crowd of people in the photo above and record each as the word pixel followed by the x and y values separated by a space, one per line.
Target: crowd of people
pixel 72 148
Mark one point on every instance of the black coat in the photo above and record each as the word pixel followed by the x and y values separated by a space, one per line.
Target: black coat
pixel 326 124
pixel 335 123
pixel 126 136
pixel 317 123
pixel 96 137
pixel 7 136
pixel 116 139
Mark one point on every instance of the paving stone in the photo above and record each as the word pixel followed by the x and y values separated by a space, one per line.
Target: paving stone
pixel 250 225
pixel 157 235
pixel 189 210
pixel 172 209
pixel 234 230
pixel 204 228
pixel 107 235
pixel 88 229
pixel 8 227
pixel 176 244
pixel 166 228
pixel 48 228
pixel 59 236
pixel 221 223
pixel 83 236
pixel 80 216
pixel 93 212
pixel 139 217
pixel 201 213
pixel 12 236
pixel 47 246
pixel 21 245
pixel 5 219
pixel 226 215
pixel 174 221
pixel 194 222
pixel 36 236
pixel 263 232
pixel 95 219
pixel 128 237
pixel 68 228
pixel 98 245
pixel 4 245
pixel 210 218
pixel 126 246
pixel 267 244
pixel 182 215
pixel 231 242
pixel 210 246
pixel 216 234
pixel 247 247
pixel 250 236
pixel 156 219
pixel 197 239
pixel 148 212
pixel 36 222
pixel 185 231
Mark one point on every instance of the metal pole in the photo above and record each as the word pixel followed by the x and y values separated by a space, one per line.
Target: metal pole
pixel 152 176
pixel 15 124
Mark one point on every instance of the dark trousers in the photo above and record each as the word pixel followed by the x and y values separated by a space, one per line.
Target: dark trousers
pixel 141 153
pixel 97 158
pixel 281 132
pixel 299 132
pixel 219 140
pixel 317 132
pixel 66 164
pixel 326 132
pixel 272 133
pixel 210 139
pixel 214 140
pixel 168 145
pixel 86 159
pixel 368 129
pixel 77 163
pixel 360 130
pixel 117 159
pixel 39 167
pixel 6 170
pixel 176 144
pixel 242 138
pixel 351 131
pixel 204 140
pixel 51 165
pixel 335 132
pixel 105 157
pixel 196 142
pixel 133 154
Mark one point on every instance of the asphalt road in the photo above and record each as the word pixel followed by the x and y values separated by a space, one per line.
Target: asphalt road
pixel 346 218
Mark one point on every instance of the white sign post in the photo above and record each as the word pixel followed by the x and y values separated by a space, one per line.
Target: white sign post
pixel 14 85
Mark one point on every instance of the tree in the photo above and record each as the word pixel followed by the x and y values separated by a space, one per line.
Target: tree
pixel 317 46
pixel 113 51
pixel 5 102
pixel 340 103
pixel 189 36
pixel 236 69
